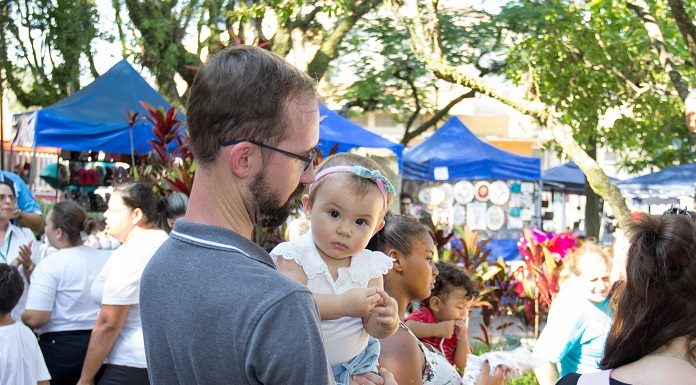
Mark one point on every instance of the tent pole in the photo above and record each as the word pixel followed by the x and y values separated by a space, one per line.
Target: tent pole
pixel 2 125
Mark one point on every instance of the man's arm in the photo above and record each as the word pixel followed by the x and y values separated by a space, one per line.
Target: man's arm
pixel 286 346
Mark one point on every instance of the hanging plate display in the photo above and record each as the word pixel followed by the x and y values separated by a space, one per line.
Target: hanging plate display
pixel 431 196
pixel 463 192
pixel 459 215
pixel 449 194
pixel 495 218
pixel 482 191
pixel 500 193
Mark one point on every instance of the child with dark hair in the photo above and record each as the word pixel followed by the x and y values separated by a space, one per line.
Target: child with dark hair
pixel 21 362
pixel 442 320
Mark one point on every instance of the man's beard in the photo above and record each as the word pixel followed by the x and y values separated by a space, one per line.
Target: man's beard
pixel 270 209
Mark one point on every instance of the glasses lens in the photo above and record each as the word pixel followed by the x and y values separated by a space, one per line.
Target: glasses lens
pixel 312 156
pixel 4 197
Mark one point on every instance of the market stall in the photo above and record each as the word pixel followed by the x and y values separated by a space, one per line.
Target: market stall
pixel 337 131
pixel 459 179
pixel 675 185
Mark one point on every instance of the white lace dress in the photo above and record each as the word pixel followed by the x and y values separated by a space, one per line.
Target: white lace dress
pixel 345 337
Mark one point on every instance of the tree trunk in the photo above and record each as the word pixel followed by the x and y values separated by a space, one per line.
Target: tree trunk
pixel 686 27
pixel 593 206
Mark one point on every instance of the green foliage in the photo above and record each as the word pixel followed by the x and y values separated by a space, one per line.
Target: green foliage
pixel 592 60
pixel 42 43
pixel 526 379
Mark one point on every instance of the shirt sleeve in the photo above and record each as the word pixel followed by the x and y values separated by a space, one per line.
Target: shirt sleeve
pixel 44 284
pixel 122 286
pixel 286 346
pixel 419 316
pixel 25 200
pixel 560 331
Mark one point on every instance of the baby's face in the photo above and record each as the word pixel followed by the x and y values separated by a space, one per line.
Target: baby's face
pixel 454 306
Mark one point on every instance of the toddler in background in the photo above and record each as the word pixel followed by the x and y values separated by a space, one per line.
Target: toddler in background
pixel 21 360
pixel 443 319
pixel 346 206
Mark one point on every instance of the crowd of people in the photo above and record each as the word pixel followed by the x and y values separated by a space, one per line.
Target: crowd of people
pixel 203 304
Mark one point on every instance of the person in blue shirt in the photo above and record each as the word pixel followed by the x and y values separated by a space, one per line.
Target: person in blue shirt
pixel 28 212
pixel 579 318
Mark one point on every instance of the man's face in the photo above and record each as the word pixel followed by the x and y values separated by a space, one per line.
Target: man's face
pixel 691 120
pixel 277 188
pixel 406 204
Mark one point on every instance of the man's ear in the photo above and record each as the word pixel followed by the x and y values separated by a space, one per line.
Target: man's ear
pixel 243 159
pixel 137 216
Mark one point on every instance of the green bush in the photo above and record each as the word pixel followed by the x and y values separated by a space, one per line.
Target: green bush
pixel 526 379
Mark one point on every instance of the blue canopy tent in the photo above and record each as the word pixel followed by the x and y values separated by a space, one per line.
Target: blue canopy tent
pixel 337 130
pixel 669 183
pixel 456 150
pixel 567 177
pixel 95 117
pixel 453 153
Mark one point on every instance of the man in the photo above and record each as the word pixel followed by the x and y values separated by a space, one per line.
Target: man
pixel 214 309
pixel 27 213
pixel 406 203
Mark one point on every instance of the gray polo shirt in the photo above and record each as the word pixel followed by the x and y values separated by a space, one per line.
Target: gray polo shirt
pixel 216 311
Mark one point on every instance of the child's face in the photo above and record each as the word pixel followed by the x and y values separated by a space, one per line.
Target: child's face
pixel 343 222
pixel 454 305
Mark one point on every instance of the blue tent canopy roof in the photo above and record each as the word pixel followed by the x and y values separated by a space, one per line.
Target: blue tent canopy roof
pixel 666 183
pixel 337 130
pixel 567 177
pixel 465 156
pixel 95 117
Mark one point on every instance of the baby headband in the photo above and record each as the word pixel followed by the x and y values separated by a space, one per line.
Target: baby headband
pixel 384 185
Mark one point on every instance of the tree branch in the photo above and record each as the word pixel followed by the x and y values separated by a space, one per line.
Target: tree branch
pixel 686 27
pixel 416 99
pixel 427 47
pixel 436 118
pixel 657 44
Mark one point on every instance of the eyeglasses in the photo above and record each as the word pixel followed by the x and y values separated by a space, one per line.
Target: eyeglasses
pixel 309 159
pixel 10 198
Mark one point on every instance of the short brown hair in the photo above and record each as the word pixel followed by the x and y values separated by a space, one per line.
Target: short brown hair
pixel 242 93
pixel 360 184
pixel 71 218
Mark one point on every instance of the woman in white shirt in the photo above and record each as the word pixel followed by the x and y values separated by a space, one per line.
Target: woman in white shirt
pixel 18 245
pixel 59 307
pixel 135 216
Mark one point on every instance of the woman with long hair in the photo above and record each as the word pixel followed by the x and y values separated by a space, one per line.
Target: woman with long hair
pixel 653 338
pixel 135 216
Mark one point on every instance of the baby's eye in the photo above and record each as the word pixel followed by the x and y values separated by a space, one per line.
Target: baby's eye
pixel 333 213
pixel 361 222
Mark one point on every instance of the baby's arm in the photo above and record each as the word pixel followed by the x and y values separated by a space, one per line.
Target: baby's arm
pixel 290 269
pixel 353 303
pixel 462 345
pixel 383 320
pixel 443 329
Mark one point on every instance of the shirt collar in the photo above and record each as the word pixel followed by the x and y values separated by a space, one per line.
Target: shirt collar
pixel 219 238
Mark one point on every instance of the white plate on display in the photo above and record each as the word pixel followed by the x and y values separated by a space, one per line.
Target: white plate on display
pixel 431 196
pixel 500 192
pixel 463 192
pixel 482 191
pixel 495 218
pixel 449 193
pixel 459 215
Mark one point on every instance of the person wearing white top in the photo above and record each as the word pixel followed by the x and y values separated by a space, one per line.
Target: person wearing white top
pixel 346 205
pixel 19 247
pixel 135 216
pixel 21 362
pixel 59 306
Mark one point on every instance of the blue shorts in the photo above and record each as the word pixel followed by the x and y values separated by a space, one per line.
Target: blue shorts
pixel 365 361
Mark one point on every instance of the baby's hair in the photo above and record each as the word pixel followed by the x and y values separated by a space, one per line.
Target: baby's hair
pixel 11 288
pixel 360 185
pixel 448 278
pixel 397 234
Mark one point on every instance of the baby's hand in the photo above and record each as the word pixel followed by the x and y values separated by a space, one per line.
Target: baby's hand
pixel 386 311
pixel 462 330
pixel 446 329
pixel 358 302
